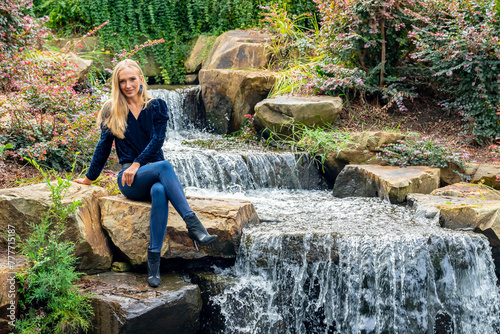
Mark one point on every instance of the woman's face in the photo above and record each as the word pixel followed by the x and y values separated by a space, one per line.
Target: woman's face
pixel 129 81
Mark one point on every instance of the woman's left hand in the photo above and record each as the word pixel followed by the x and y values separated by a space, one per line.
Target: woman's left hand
pixel 129 174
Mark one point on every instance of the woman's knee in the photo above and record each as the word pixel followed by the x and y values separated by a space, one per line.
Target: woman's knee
pixel 165 166
pixel 157 190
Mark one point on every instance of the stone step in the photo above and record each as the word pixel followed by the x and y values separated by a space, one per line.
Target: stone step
pixel 124 303
pixel 127 224
pixel 388 182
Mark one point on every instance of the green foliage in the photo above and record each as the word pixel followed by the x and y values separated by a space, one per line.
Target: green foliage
pixel 176 21
pixel 49 301
pixel 66 16
pixel 47 119
pixel 317 142
pixel 423 151
pixel 460 51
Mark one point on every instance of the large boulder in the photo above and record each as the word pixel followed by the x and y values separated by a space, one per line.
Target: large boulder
pixel 461 213
pixel 238 49
pixel 488 174
pixel 123 303
pixel 228 95
pixel 22 205
pixel 127 223
pixel 388 182
pixel 281 113
pixel 361 149
pixel 199 54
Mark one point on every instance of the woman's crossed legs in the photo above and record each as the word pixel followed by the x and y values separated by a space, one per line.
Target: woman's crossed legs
pixel 157 181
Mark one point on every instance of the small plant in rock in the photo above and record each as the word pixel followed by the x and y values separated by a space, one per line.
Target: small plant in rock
pixel 49 301
pixel 416 150
pixel 247 133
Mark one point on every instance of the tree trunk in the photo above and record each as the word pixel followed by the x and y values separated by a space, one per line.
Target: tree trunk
pixel 382 60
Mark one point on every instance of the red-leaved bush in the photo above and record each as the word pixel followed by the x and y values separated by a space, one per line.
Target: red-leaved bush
pixel 42 115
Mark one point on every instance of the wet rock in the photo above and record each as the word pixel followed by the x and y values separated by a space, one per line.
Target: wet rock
pixel 468 190
pixel 362 150
pixel 211 284
pixel 22 205
pixel 228 95
pixel 124 303
pixel 199 54
pixel 279 114
pixel 238 49
pixel 488 174
pixel 9 297
pixel 461 213
pixel 389 182
pixel 127 223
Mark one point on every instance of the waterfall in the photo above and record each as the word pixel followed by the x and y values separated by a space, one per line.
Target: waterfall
pixel 320 264
pixel 227 170
pixel 358 266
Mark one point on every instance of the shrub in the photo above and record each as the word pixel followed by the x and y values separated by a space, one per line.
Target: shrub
pixel 423 151
pixel 49 301
pixel 458 46
pixel 46 119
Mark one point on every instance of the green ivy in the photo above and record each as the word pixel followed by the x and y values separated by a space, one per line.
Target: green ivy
pixel 178 22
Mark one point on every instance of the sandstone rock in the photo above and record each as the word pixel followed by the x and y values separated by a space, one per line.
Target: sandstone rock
pixel 488 174
pixel 127 223
pixel 82 65
pixel 450 175
pixel 280 113
pixel 467 190
pixel 362 150
pixel 191 79
pixel 461 213
pixel 238 49
pixel 124 303
pixel 228 95
pixel 199 53
pixel 22 205
pixel 389 182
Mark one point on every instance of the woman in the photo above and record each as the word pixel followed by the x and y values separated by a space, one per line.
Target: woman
pixel 138 124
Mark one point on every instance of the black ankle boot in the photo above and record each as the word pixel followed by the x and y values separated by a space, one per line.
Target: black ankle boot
pixel 197 231
pixel 154 268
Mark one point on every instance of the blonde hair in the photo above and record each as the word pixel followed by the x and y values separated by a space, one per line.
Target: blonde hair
pixel 114 112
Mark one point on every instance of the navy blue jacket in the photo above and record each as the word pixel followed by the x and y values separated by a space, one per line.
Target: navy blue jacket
pixel 143 140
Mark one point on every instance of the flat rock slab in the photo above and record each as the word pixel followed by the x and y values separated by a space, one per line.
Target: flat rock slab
pixel 280 113
pixel 22 205
pixel 123 303
pixel 482 216
pixel 127 223
pixel 388 182
pixel 468 190
pixel 488 174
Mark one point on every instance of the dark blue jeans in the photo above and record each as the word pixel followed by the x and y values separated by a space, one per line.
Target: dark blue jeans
pixel 157 182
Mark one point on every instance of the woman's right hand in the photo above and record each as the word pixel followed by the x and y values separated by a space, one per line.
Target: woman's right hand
pixel 84 180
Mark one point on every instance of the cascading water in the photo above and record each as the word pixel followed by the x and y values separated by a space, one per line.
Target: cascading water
pixel 235 170
pixel 319 264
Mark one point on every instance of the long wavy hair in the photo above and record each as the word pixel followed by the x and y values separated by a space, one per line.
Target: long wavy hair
pixel 114 112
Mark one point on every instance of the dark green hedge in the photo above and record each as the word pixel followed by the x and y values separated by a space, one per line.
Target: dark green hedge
pixel 177 21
